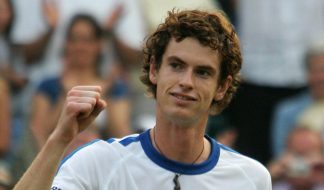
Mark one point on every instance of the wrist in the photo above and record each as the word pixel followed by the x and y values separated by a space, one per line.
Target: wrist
pixel 59 140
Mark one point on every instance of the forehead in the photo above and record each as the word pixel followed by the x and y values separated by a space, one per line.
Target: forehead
pixel 191 51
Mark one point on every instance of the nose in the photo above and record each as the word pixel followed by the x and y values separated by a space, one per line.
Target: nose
pixel 186 80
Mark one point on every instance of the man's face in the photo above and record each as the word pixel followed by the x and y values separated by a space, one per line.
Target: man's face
pixel 316 76
pixel 187 81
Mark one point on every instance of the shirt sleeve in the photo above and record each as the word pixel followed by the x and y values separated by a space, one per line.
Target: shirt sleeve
pixel 86 168
pixel 119 90
pixel 51 88
pixel 75 170
pixel 90 167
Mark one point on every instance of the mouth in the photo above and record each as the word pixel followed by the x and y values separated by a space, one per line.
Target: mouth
pixel 183 96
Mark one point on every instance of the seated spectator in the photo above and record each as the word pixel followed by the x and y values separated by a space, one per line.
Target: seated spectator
pixel 81 67
pixel 81 64
pixel 288 111
pixel 4 134
pixel 301 165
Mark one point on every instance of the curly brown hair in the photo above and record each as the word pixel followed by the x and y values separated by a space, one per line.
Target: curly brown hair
pixel 210 29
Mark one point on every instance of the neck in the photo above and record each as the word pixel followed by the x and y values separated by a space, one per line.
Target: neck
pixel 83 74
pixel 181 143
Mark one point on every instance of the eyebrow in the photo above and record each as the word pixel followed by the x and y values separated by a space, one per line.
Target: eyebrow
pixel 175 58
pixel 204 67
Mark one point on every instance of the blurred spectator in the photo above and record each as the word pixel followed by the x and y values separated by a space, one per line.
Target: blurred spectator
pixel 5 178
pixel 274 36
pixel 301 166
pixel 82 59
pixel 121 19
pixel 15 69
pixel 288 111
pixel 15 57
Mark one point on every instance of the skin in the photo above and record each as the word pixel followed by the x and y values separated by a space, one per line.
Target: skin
pixel 186 86
pixel 185 91
pixel 5 15
pixel 4 118
pixel 316 76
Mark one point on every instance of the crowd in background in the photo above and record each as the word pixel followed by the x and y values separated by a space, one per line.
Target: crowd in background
pixel 277 116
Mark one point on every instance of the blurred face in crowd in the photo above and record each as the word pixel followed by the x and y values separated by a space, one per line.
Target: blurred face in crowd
pixel 307 163
pixel 5 15
pixel 82 46
pixel 305 142
pixel 316 75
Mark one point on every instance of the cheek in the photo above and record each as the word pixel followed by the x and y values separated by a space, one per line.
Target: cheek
pixel 208 89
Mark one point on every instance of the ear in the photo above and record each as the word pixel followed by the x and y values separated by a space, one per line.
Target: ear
pixel 222 89
pixel 153 71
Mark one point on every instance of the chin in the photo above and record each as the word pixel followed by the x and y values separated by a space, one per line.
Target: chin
pixel 182 116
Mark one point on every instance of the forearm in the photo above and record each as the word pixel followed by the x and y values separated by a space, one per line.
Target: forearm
pixel 127 55
pixel 44 121
pixel 5 119
pixel 41 173
pixel 35 50
pixel 119 114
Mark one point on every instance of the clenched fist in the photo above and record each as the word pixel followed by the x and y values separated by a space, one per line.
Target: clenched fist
pixel 82 106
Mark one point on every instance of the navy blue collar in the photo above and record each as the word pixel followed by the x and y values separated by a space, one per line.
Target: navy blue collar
pixel 179 167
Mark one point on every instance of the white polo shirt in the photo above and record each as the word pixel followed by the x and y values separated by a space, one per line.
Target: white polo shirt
pixel 132 163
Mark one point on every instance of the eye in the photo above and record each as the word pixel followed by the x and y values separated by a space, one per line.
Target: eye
pixel 203 73
pixel 175 65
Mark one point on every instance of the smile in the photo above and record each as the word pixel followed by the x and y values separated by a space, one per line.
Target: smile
pixel 183 97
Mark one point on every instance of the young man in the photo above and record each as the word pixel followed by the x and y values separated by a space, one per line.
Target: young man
pixel 191 67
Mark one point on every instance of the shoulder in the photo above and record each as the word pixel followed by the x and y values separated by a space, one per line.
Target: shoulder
pixel 118 90
pixel 97 161
pixel 100 150
pixel 50 88
pixel 49 83
pixel 246 168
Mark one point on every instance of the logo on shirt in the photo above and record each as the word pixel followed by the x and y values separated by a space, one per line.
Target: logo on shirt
pixel 55 188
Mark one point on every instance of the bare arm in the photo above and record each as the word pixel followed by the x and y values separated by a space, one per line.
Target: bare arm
pixel 44 117
pixel 4 118
pixel 83 104
pixel 119 116
pixel 127 55
pixel 36 49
